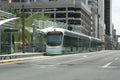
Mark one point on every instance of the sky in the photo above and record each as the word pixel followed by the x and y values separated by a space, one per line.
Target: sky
pixel 116 15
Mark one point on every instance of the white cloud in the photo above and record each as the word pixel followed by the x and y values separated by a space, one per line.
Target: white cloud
pixel 116 22
pixel 116 14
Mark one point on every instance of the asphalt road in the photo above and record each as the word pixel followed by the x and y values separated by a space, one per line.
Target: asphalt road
pixel 103 65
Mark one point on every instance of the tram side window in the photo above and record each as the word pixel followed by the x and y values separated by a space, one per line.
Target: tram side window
pixel 67 41
pixel 87 43
pixel 80 42
pixel 84 42
pixel 93 44
pixel 74 42
pixel 70 41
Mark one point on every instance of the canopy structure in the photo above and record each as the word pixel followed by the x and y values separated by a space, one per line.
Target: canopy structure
pixel 6 30
pixel 7 20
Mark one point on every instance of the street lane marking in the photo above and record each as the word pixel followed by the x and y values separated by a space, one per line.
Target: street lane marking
pixel 68 61
pixel 84 56
pixel 107 65
pixel 117 58
pixel 72 60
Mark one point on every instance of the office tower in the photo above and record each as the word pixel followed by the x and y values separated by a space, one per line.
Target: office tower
pixel 108 16
pixel 93 4
pixel 97 7
pixel 101 13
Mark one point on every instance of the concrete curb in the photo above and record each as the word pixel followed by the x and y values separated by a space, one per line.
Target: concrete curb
pixel 19 60
pixel 18 55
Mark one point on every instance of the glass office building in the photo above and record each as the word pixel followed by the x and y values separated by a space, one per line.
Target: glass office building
pixel 108 20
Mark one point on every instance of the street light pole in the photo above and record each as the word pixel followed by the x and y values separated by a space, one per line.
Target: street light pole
pixel 98 28
pixel 11 43
pixel 23 30
pixel 34 36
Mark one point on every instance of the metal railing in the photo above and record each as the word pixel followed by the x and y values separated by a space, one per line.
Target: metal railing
pixel 40 24
pixel 18 55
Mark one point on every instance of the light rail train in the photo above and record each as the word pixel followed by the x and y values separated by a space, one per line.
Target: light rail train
pixel 61 41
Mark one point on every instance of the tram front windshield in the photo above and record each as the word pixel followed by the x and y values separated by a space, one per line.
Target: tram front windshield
pixel 54 38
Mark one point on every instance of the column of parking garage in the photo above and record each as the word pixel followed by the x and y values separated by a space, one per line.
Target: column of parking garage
pixel 54 14
pixel 66 15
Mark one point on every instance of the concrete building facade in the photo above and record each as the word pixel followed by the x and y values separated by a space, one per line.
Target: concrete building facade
pixel 101 13
pixel 97 7
pixel 69 12
pixel 94 8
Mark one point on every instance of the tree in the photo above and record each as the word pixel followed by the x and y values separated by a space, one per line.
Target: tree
pixel 108 42
pixel 28 25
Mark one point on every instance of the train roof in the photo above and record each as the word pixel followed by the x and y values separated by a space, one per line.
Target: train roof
pixel 64 31
pixel 46 30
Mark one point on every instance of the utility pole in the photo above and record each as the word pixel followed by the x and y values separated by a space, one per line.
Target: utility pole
pixel 23 30
pixel 34 35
